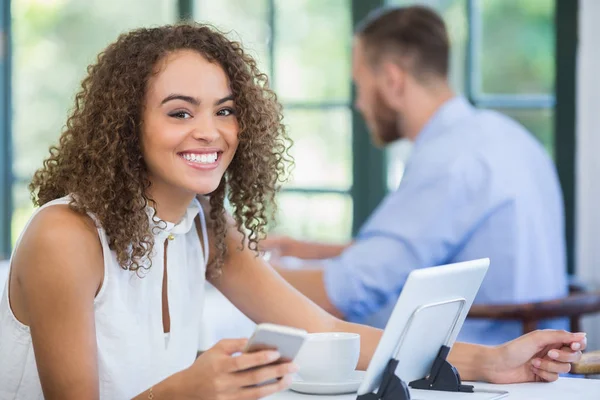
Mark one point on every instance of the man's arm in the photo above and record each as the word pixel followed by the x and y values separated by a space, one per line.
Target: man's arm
pixel 367 275
pixel 421 225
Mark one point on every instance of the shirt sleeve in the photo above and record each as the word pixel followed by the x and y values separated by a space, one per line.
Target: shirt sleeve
pixel 424 223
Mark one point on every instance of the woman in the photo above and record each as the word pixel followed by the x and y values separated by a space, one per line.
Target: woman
pixel 106 282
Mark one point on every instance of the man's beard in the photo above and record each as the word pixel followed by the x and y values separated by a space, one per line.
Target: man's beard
pixel 385 123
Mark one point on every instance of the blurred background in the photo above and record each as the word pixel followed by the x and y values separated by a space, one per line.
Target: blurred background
pixel 532 60
pixel 503 57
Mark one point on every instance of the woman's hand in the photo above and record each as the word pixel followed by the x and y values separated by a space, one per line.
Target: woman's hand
pixel 537 356
pixel 219 375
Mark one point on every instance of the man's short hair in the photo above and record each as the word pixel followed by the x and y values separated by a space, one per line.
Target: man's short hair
pixel 415 36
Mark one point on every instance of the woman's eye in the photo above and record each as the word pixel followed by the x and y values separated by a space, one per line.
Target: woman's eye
pixel 180 115
pixel 225 112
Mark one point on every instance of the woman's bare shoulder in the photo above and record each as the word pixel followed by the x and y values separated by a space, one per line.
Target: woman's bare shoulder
pixel 62 228
pixel 59 243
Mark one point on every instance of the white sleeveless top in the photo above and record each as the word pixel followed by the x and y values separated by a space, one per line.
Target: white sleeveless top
pixel 133 352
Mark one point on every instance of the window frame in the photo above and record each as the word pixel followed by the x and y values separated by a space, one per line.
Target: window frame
pixel 566 33
pixel 369 171
pixel 6 173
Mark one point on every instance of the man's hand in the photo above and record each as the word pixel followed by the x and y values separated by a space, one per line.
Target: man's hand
pixel 278 245
pixel 285 246
pixel 535 357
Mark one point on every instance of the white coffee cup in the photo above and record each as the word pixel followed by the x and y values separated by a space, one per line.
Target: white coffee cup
pixel 328 357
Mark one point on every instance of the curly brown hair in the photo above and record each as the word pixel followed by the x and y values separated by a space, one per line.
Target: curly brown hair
pixel 99 161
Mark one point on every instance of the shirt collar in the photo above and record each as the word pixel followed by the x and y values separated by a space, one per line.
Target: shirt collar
pixel 446 115
pixel 164 228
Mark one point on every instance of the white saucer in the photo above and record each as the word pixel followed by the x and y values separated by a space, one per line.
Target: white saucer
pixel 349 385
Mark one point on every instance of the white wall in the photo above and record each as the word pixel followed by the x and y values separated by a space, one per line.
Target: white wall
pixel 588 154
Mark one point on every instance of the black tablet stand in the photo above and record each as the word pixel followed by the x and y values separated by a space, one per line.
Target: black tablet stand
pixel 442 375
pixel 391 388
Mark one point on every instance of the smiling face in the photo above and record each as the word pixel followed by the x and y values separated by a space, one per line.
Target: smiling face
pixel 190 129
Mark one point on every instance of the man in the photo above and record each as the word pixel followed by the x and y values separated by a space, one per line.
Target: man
pixel 477 185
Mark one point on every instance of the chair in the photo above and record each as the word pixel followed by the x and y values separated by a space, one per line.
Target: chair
pixel 582 300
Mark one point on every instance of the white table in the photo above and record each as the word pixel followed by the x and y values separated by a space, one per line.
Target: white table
pixel 563 389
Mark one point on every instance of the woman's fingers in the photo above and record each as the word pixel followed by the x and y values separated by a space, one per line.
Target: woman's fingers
pixel 565 355
pixel 544 375
pixel 579 345
pixel 550 337
pixel 257 392
pixel 263 374
pixel 231 346
pixel 251 360
pixel 551 366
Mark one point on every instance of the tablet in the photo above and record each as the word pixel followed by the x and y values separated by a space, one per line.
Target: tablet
pixel 429 313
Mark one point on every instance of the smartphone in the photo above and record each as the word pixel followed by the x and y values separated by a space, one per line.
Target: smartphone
pixel 286 340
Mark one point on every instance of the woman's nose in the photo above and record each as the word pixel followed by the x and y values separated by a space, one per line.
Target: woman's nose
pixel 205 130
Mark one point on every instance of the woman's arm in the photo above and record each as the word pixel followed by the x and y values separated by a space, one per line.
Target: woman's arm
pixel 260 293
pixel 56 272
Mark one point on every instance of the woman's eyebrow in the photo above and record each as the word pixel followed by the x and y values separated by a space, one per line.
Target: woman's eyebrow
pixel 189 99
pixel 193 100
pixel 224 100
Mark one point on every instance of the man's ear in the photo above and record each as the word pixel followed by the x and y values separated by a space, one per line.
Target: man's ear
pixel 392 82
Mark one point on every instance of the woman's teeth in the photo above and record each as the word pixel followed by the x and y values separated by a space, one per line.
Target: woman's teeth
pixel 205 158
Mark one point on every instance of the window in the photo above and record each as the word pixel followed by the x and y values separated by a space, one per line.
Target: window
pixel 512 61
pixel 286 36
pixel 53 43
pixel 5 129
